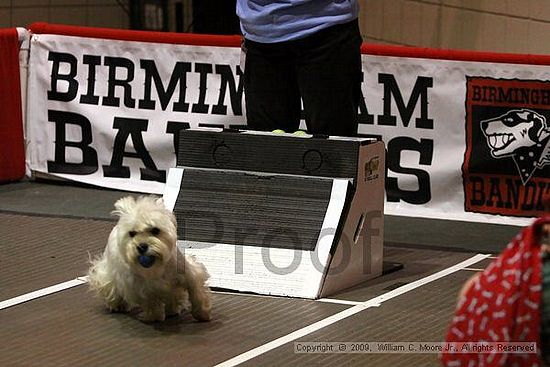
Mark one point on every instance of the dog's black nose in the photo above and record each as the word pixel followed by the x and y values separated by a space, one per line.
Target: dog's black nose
pixel 142 248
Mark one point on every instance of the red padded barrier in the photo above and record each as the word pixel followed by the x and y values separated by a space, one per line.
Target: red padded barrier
pixel 139 36
pixel 12 146
pixel 456 55
pixel 235 41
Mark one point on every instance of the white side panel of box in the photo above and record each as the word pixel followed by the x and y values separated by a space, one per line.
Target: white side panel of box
pixel 359 253
pixel 263 270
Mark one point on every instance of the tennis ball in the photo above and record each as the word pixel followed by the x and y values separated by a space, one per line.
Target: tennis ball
pixel 278 131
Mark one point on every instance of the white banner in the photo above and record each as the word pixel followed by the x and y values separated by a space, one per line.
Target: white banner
pixel 108 112
pixel 465 140
pixel 441 162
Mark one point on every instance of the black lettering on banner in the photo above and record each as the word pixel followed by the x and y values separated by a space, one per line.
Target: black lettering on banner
pixel 235 93
pixel 512 193
pixel 89 162
pixel 59 58
pixel 496 192
pixel 174 128
pixel 510 95
pixel 179 76
pixel 132 127
pixel 529 196
pixel 90 97
pixel 121 74
pixel 478 191
pixel 476 93
pixel 419 92
pixel 508 197
pixel 203 70
pixel 115 63
pixel 395 147
pixel 541 195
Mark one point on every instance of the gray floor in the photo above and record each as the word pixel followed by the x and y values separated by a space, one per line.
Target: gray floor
pixel 78 201
pixel 49 231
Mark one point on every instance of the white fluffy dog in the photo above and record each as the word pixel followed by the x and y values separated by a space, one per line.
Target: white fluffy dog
pixel 141 266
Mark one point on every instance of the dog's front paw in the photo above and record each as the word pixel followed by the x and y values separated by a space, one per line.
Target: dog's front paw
pixel 177 302
pixel 151 314
pixel 174 309
pixel 118 305
pixel 119 309
pixel 202 312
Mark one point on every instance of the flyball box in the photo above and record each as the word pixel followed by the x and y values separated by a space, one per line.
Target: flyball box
pixel 279 214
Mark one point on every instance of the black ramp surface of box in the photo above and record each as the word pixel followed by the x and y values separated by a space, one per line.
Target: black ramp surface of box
pixel 264 152
pixel 297 216
pixel 251 210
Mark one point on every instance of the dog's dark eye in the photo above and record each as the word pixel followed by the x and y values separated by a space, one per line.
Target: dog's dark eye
pixel 132 233
pixel 155 231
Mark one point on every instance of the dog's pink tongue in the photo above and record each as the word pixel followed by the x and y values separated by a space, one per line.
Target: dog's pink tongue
pixel 146 261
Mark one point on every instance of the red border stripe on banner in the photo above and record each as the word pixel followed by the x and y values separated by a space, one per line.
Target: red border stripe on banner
pixel 456 55
pixel 139 36
pixel 235 41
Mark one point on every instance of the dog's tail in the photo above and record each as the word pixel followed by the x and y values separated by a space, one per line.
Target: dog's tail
pixel 99 280
pixel 192 269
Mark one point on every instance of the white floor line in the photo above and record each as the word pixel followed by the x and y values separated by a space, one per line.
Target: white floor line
pixel 473 269
pixel 374 302
pixel 339 301
pixel 42 292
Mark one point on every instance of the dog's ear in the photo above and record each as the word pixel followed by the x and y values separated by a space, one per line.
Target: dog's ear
pixel 123 206
pixel 159 201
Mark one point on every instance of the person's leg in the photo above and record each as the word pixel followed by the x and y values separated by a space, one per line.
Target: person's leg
pixel 271 91
pixel 329 77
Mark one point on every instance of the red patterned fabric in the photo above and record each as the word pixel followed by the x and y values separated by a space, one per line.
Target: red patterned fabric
pixel 12 146
pixel 502 305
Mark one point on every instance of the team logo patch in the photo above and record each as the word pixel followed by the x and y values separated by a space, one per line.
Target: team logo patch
pixel 371 169
pixel 506 168
pixel 522 135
